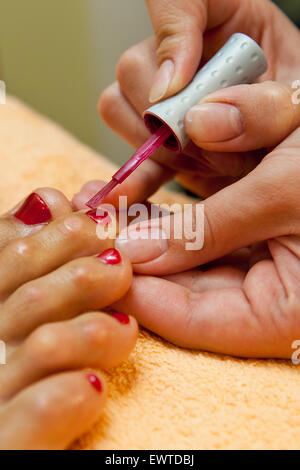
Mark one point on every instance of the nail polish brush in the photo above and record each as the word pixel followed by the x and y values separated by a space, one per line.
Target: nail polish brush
pixel 239 61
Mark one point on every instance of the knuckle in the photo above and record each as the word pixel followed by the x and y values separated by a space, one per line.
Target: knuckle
pixel 32 294
pixel 175 33
pixel 42 407
pixel 84 275
pixel 96 332
pixel 129 64
pixel 281 106
pixel 167 30
pixel 74 226
pixel 43 344
pixel 21 249
pixel 108 101
pixel 277 92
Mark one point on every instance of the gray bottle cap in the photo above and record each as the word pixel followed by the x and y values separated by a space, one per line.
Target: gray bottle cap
pixel 241 60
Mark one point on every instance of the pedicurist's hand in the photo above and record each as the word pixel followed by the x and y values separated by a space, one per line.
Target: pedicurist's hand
pixel 244 304
pixel 254 311
pixel 230 129
pixel 56 274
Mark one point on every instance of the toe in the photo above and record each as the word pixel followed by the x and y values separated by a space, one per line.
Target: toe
pixel 53 412
pixel 64 239
pixel 76 287
pixel 91 340
pixel 30 215
pixel 87 191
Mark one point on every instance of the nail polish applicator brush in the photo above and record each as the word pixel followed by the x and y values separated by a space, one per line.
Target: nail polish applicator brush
pixel 241 60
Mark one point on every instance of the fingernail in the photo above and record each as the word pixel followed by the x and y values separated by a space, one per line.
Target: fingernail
pixel 162 81
pixel 34 211
pixel 99 216
pixel 214 122
pixel 95 382
pixel 121 317
pixel 144 245
pixel 110 256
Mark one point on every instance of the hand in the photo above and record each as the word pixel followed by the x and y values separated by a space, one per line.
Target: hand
pixel 248 305
pixel 254 311
pixel 231 128
pixel 52 285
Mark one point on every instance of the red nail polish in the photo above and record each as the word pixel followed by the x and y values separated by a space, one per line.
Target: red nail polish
pixel 95 382
pixel 110 256
pixel 34 211
pixel 121 317
pixel 99 216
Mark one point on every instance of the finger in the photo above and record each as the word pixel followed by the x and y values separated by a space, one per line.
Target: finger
pixel 70 237
pixel 81 285
pixel 125 122
pixel 179 28
pixel 140 185
pixel 254 320
pixel 249 117
pixel 119 114
pixel 91 340
pixel 30 215
pixel 244 213
pixel 135 71
pixel 120 107
pixel 54 411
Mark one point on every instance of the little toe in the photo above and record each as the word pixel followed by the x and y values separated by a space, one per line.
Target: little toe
pixel 50 414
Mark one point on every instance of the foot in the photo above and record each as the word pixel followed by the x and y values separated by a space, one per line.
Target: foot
pixel 55 274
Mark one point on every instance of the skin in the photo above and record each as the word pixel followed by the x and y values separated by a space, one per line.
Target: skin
pixel 244 303
pixel 52 287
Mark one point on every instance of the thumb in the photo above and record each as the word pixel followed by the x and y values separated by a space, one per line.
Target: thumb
pixel 244 117
pixel 246 212
pixel 178 26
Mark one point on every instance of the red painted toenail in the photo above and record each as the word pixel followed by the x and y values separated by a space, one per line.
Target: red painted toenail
pixel 95 382
pixel 99 216
pixel 34 211
pixel 121 317
pixel 111 256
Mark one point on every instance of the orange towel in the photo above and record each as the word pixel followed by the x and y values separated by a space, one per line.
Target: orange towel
pixel 163 397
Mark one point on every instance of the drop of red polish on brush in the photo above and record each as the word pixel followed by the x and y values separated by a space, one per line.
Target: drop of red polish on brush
pixel 144 152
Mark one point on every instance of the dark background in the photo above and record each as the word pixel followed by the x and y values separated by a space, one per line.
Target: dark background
pixel 291 8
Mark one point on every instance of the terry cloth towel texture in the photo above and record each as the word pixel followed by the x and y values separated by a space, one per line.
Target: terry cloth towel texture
pixel 163 397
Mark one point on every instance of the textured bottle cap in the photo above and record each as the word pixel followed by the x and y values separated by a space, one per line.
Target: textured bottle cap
pixel 241 60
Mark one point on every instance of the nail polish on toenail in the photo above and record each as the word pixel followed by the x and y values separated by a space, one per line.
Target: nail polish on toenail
pixel 95 382
pixel 34 211
pixel 121 317
pixel 99 216
pixel 110 256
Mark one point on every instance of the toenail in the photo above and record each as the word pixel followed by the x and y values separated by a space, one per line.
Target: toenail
pixel 121 317
pixel 99 216
pixel 34 211
pixel 110 256
pixel 94 381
